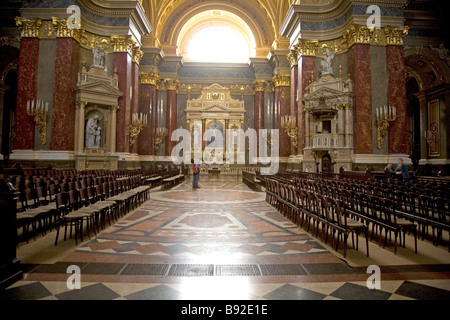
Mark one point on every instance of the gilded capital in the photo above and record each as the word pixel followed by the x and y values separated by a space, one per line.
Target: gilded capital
pixel 395 36
pixel 62 30
pixel 259 85
pixel 293 57
pixel 149 78
pixel 137 54
pixel 172 84
pixel 307 47
pixel 122 44
pixel 358 35
pixel 29 27
pixel 281 80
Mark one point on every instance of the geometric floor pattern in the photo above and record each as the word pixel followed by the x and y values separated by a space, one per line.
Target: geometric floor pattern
pixel 221 241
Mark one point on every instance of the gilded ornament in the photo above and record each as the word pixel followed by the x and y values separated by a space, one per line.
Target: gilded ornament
pixel 281 80
pixel 29 27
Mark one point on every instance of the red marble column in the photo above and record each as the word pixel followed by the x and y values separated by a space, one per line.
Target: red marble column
pixel 122 61
pixel 294 91
pixel 359 67
pixel 26 90
pixel 135 100
pixel 282 107
pixel 171 119
pixel 147 100
pixel 397 97
pixel 306 65
pixel 63 109
pixel 259 111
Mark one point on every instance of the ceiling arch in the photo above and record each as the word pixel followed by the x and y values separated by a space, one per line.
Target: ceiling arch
pixel 172 21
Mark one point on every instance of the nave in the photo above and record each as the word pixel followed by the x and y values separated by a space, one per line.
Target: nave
pixel 222 241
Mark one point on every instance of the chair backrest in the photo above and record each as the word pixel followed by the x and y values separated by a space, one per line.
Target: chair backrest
pixel 427 207
pixel 62 202
pixel 31 197
pixel 42 194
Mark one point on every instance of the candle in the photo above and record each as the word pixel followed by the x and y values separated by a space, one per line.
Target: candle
pixel 378 115
pixel 32 104
pixel 46 107
pixel 28 105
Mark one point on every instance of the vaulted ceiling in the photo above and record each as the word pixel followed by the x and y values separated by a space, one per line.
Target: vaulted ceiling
pixel 264 17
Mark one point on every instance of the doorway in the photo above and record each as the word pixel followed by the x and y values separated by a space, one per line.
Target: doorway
pixel 327 165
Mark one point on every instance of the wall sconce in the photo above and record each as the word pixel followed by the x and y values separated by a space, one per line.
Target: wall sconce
pixel 385 115
pixel 160 135
pixel 40 114
pixel 288 123
pixel 138 122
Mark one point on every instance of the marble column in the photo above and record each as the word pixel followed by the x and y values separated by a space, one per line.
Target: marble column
pixel 79 129
pixel 148 100
pixel 122 61
pixel 359 67
pixel 63 109
pixel 24 132
pixel 172 86
pixel 306 66
pixel 282 103
pixel 397 97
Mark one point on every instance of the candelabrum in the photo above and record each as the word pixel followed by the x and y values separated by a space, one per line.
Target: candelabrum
pixel 40 113
pixel 288 123
pixel 138 122
pixel 385 115
pixel 158 138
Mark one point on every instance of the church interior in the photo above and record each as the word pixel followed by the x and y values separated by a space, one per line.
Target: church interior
pixel 320 130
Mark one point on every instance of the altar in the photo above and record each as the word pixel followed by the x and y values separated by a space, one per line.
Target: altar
pixel 216 114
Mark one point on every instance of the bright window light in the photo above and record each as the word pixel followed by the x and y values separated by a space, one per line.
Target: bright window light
pixel 218 44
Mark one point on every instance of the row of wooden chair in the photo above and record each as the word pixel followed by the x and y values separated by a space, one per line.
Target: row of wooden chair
pixel 96 205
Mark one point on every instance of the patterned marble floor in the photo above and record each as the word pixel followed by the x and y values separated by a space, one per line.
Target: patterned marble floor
pixel 221 241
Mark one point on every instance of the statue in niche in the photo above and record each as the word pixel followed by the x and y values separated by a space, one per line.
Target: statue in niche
pixel 92 132
pixel 326 63
pixel 99 57
pixel 98 137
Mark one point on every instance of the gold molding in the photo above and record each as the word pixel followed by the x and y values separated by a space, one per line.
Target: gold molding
pixel 149 78
pixel 281 80
pixel 29 27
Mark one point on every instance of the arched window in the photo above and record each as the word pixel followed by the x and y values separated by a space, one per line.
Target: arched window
pixel 218 44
